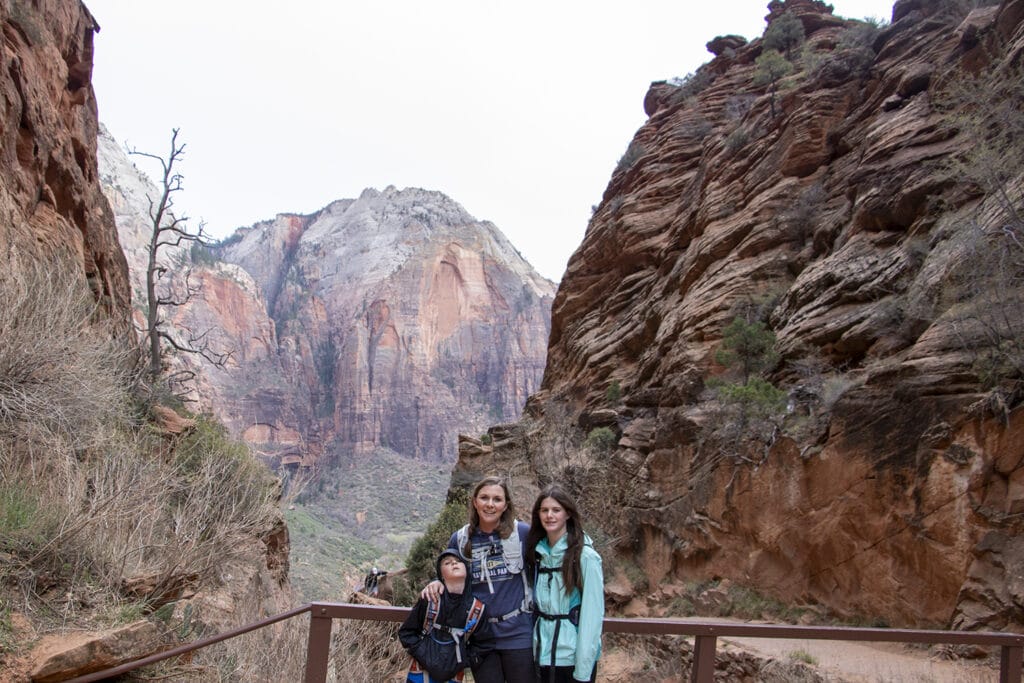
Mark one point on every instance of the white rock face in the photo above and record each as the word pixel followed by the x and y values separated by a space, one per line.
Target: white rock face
pixel 129 191
pixel 394 319
pixel 423 320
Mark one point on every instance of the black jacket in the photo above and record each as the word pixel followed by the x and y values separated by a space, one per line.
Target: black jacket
pixel 435 650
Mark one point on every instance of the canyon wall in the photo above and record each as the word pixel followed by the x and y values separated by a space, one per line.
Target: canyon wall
pixel 391 320
pixel 52 209
pixel 818 202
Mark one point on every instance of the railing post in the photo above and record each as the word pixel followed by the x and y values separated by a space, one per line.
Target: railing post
pixel 1010 664
pixel 703 660
pixel 319 645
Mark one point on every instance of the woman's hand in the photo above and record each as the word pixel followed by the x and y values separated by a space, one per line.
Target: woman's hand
pixel 432 591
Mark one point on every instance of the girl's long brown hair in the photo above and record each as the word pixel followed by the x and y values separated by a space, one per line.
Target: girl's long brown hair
pixel 571 577
pixel 506 525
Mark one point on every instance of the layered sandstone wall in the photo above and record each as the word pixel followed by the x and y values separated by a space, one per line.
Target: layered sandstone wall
pixel 51 206
pixel 826 203
pixel 391 320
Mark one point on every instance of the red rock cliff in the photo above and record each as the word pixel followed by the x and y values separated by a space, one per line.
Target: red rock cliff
pixel 392 320
pixel 826 204
pixel 51 205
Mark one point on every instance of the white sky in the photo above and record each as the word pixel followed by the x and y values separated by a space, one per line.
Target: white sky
pixel 517 110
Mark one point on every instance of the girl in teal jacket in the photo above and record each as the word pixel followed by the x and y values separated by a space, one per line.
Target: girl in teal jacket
pixel 568 590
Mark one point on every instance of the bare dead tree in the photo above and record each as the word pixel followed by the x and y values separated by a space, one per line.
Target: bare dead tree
pixel 170 230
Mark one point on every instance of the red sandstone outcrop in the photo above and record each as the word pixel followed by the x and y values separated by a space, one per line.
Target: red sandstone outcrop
pixel 51 205
pixel 53 215
pixel 62 657
pixel 905 503
pixel 394 319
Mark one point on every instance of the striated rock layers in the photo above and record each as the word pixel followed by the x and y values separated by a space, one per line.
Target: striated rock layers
pixel 400 319
pixel 392 320
pixel 51 207
pixel 55 220
pixel 824 202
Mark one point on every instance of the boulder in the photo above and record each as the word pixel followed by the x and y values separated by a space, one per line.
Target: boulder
pixel 60 657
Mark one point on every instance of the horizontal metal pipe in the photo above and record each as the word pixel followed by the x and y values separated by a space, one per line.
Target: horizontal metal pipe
pixel 183 649
pixel 1012 643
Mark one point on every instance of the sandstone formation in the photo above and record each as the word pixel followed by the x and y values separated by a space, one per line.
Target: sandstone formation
pixel 51 207
pixel 54 219
pixel 825 204
pixel 60 658
pixel 400 320
pixel 394 319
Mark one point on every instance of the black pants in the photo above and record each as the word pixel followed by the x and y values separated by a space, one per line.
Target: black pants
pixel 563 674
pixel 507 666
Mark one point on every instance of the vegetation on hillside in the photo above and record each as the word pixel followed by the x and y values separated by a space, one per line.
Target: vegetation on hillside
pixel 986 298
pixel 359 514
pixel 105 516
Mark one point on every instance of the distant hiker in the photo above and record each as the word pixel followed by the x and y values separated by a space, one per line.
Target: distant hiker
pixel 494 540
pixel 568 590
pixel 370 583
pixel 446 635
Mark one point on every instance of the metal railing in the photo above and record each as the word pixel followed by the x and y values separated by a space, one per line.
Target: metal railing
pixel 705 634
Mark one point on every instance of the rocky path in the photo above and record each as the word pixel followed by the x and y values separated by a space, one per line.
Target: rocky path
pixel 854 662
pixel 836 661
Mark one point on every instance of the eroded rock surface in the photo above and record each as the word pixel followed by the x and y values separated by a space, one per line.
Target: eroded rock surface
pixel 393 319
pixel 51 206
pixel 827 199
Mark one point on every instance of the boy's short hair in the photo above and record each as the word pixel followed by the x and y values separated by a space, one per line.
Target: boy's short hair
pixel 445 553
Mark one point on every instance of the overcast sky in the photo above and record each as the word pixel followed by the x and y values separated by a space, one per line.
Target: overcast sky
pixel 517 110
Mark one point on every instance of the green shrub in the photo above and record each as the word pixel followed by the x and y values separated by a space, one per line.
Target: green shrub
pixel 420 564
pixel 770 68
pixel 758 397
pixel 803 656
pixel 613 394
pixel 6 629
pixel 748 347
pixel 736 140
pixel 693 83
pixel 630 157
pixel 26 521
pixel 201 255
pixel 601 439
pixel 784 34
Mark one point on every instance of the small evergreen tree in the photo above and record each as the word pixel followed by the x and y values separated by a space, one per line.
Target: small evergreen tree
pixel 601 439
pixel 785 34
pixel 750 346
pixel 613 394
pixel 771 67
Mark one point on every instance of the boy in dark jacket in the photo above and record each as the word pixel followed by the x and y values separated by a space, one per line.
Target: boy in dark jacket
pixel 447 636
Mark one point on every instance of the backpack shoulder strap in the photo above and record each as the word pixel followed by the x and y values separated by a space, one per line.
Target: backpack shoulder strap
pixel 430 618
pixel 461 536
pixel 476 613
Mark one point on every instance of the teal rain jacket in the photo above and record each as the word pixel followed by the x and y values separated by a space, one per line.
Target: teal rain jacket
pixel 577 646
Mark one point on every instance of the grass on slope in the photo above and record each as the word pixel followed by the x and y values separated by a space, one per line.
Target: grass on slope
pixel 367 512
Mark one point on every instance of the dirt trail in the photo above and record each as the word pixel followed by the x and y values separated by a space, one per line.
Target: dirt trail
pixel 869 662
